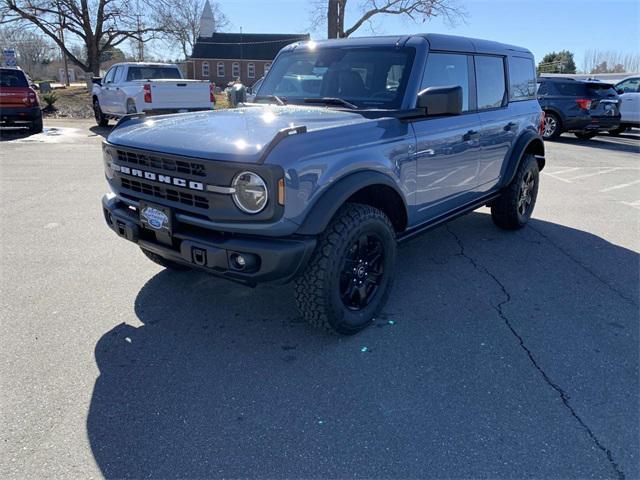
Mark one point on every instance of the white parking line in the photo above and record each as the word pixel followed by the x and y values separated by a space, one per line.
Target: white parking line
pixel 566 170
pixel 635 204
pixel 618 187
pixel 552 175
pixel 593 174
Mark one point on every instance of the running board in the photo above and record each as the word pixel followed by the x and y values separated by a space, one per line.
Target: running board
pixel 447 217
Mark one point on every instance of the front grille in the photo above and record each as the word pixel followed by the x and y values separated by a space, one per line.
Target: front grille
pixel 163 163
pixel 165 193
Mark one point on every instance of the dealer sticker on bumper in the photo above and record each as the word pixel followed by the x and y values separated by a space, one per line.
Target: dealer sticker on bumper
pixel 156 218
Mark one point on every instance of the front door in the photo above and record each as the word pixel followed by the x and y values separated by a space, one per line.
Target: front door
pixel 447 148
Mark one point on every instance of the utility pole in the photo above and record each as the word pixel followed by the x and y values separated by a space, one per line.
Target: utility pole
pixel 61 35
pixel 139 26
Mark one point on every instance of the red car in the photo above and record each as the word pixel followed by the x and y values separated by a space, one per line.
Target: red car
pixel 19 104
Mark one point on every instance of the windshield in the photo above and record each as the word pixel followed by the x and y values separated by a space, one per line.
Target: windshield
pixel 151 73
pixel 365 77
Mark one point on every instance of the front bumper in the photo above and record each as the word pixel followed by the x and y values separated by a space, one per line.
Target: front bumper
pixel 12 115
pixel 272 259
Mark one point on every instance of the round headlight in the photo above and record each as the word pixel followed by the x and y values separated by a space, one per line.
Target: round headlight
pixel 250 193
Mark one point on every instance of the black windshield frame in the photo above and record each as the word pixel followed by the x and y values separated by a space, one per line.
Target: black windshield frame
pixel 326 64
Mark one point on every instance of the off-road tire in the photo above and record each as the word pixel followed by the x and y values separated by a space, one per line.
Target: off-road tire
pixel 317 290
pixel 505 210
pixel 36 126
pixel 163 262
pixel 101 120
pixel 585 135
pixel 550 116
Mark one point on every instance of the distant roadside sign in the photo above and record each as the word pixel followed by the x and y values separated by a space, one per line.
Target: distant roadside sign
pixel 9 57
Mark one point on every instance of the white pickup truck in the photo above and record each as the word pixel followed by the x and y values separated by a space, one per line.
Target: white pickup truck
pixel 153 88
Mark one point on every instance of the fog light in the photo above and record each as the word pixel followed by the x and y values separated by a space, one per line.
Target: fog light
pixel 238 261
pixel 245 262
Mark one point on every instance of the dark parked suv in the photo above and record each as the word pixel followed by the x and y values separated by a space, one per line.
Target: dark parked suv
pixel 583 107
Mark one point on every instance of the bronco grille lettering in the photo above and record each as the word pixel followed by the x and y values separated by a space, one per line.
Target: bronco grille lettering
pixel 158 177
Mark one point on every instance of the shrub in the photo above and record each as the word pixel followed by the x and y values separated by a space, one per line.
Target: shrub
pixel 50 99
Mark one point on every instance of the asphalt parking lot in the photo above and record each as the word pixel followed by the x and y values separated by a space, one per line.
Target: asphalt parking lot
pixel 499 355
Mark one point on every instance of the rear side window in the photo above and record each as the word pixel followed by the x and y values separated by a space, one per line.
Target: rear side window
pixel 446 70
pixel 490 82
pixel 522 79
pixel 602 91
pixel 589 90
pixel 13 78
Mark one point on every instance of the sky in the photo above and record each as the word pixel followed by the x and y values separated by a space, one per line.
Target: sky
pixel 541 26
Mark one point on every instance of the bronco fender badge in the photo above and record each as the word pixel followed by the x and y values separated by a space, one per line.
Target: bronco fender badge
pixel 155 218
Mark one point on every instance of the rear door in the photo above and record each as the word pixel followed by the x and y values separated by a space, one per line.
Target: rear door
pixel 14 88
pixel 107 92
pixel 117 94
pixel 629 91
pixel 498 127
pixel 446 147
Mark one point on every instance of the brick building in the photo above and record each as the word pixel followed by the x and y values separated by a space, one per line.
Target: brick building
pixel 223 57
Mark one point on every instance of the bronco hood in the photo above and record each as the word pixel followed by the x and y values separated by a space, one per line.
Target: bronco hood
pixel 239 134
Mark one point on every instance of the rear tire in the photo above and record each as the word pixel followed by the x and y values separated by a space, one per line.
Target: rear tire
pixel 512 210
pixel 585 135
pixel 349 276
pixel 163 262
pixel 101 120
pixel 36 126
pixel 617 131
pixel 552 127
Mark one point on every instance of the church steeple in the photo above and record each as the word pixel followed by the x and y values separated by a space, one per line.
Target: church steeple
pixel 207 22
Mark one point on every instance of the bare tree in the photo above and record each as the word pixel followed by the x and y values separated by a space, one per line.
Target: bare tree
pixel 334 13
pixel 100 25
pixel 180 21
pixel 607 61
pixel 33 51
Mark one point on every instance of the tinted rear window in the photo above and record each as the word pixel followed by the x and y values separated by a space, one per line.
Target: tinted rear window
pixel 490 82
pixel 579 89
pixel 522 79
pixel 151 73
pixel 13 78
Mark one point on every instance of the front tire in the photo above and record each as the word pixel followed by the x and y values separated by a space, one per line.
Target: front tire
pixel 585 135
pixel 163 262
pixel 513 208
pixel 101 120
pixel 349 276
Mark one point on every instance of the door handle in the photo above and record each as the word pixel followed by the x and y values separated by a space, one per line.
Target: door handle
pixel 510 126
pixel 471 135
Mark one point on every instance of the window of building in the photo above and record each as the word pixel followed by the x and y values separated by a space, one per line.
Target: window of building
pixel 205 69
pixel 251 70
pixel 522 79
pixel 235 70
pixel 445 70
pixel 490 82
pixel 221 69
pixel 267 66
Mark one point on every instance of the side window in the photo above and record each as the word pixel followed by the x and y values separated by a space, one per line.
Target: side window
pixel 108 78
pixel 490 82
pixel 522 79
pixel 205 69
pixel 235 70
pixel 629 86
pixel 118 74
pixel 447 69
pixel 543 89
pixel 221 69
pixel 251 70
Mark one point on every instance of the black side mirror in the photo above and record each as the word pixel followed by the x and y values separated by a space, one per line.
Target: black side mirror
pixel 620 91
pixel 441 100
pixel 96 80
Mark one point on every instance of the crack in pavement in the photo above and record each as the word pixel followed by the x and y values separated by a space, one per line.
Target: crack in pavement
pixel 585 267
pixel 564 397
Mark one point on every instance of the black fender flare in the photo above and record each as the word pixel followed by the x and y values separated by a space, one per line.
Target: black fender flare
pixel 528 141
pixel 325 207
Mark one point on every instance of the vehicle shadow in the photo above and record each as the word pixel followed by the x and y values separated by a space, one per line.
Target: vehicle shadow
pixel 14 133
pixel 101 131
pixel 626 142
pixel 220 380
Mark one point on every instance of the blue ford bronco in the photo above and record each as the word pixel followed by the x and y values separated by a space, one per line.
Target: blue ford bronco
pixel 351 146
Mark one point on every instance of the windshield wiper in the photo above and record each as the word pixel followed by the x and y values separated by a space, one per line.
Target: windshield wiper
pixel 277 99
pixel 331 101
